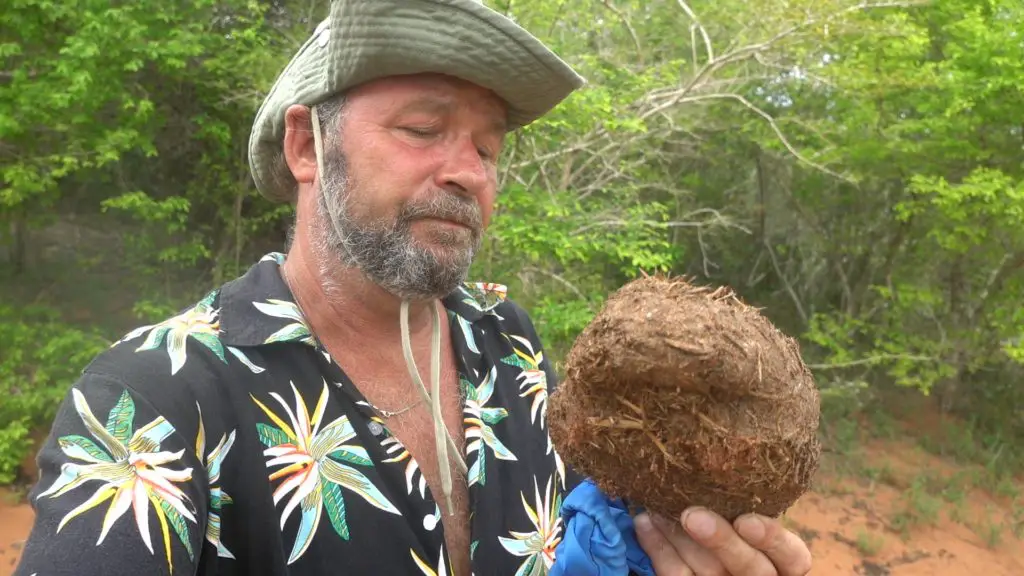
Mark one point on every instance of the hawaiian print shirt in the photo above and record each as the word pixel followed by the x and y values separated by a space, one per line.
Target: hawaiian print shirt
pixel 226 440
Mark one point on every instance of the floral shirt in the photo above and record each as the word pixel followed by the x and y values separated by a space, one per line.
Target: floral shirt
pixel 226 440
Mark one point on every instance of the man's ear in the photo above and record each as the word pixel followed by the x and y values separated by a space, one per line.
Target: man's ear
pixel 299 151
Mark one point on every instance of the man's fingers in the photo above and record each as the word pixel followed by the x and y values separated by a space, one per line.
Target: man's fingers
pixel 736 555
pixel 664 557
pixel 700 560
pixel 785 549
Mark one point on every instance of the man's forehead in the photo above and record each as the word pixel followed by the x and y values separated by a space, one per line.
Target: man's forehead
pixel 430 92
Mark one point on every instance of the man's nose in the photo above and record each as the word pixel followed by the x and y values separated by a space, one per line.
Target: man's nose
pixel 463 171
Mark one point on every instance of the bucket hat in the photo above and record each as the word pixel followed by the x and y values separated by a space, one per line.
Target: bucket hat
pixel 363 40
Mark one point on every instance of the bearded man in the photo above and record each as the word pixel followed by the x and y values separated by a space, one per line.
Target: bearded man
pixel 353 406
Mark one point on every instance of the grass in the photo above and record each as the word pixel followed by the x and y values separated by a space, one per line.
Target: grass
pixel 993 463
pixel 1017 519
pixel 882 474
pixel 14 494
pixel 927 495
pixel 869 543
pixel 957 513
pixel 930 494
pixel 882 425
pixel 1006 487
pixel 846 437
pixel 920 506
pixel 990 531
pixel 1001 461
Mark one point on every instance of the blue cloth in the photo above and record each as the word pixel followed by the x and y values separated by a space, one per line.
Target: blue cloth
pixel 600 539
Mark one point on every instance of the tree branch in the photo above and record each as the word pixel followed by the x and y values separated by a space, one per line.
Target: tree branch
pixel 561 280
pixel 785 281
pixel 767 117
pixel 752 48
pixel 700 27
pixel 629 27
pixel 1009 264
pixel 717 219
pixel 583 144
pixel 872 360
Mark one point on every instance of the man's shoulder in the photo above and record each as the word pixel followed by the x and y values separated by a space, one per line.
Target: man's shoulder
pixel 152 400
pixel 182 351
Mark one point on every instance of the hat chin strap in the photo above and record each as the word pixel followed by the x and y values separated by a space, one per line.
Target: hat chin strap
pixel 442 437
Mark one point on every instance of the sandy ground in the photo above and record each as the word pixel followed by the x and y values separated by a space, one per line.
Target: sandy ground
pixel 856 524
pixel 15 523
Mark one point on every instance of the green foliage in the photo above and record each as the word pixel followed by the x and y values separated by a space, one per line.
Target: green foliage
pixel 852 169
pixel 168 218
pixel 869 543
pixel 42 358
pixel 14 445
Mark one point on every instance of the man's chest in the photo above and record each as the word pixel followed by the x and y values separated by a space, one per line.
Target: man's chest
pixel 327 480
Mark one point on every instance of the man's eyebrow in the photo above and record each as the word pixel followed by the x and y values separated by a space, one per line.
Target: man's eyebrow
pixel 442 105
pixel 430 104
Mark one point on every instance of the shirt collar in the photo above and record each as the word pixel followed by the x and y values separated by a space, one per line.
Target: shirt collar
pixel 258 308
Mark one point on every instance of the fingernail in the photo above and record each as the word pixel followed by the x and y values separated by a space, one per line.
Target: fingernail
pixel 643 523
pixel 699 524
pixel 751 528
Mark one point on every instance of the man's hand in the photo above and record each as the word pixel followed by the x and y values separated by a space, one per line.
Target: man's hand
pixel 710 546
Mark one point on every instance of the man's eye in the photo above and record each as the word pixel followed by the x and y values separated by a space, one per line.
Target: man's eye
pixel 418 131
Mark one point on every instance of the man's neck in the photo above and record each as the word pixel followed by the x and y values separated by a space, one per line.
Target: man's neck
pixel 346 305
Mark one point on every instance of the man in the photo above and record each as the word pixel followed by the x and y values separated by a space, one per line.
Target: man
pixel 352 406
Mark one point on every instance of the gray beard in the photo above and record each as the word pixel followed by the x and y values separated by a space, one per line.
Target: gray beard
pixel 385 250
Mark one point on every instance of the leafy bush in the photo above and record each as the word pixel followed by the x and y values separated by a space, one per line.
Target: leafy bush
pixel 42 356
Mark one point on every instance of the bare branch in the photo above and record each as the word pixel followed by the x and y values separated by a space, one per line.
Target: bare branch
pixel 1009 264
pixel 717 220
pixel 311 16
pixel 629 27
pixel 704 253
pixel 768 118
pixel 760 46
pixel 561 280
pixel 657 101
pixel 255 95
pixel 700 27
pixel 583 144
pixel 751 280
pixel 872 360
pixel 693 47
pixel 513 150
pixel 760 59
pixel 789 287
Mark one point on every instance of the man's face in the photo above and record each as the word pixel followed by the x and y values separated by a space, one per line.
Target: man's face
pixel 410 181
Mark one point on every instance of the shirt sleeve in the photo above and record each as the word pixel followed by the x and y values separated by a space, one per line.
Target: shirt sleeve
pixel 120 490
pixel 572 477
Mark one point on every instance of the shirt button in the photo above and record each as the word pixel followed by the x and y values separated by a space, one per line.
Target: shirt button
pixel 375 428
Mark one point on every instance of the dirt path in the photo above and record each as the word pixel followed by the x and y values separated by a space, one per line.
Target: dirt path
pixel 15 523
pixel 881 521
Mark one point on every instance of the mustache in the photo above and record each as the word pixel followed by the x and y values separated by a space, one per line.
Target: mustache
pixel 445 206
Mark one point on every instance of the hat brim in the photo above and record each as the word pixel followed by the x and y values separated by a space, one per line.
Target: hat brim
pixel 364 40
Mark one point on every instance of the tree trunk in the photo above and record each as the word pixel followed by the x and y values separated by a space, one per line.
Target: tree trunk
pixel 19 234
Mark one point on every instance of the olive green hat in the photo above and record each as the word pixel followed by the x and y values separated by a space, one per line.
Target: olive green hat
pixel 362 40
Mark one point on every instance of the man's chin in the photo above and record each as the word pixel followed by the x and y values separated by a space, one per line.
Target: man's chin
pixel 449 252
pixel 446 236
